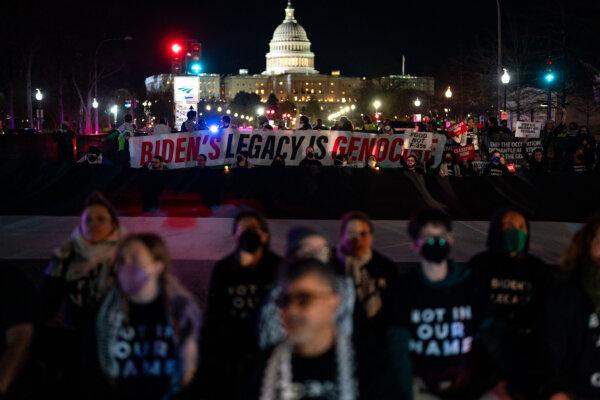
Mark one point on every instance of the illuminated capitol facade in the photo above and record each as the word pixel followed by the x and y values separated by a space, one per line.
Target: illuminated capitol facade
pixel 290 74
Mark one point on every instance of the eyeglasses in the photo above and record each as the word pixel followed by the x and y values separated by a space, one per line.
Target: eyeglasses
pixel 302 299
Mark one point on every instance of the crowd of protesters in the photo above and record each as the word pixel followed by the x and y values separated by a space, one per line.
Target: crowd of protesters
pixel 567 148
pixel 111 320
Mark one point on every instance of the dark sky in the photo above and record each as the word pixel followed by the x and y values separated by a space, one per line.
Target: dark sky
pixel 359 38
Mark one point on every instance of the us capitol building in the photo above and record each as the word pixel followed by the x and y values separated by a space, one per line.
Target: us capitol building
pixel 290 74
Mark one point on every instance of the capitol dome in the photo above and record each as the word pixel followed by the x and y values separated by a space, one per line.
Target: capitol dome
pixel 290 48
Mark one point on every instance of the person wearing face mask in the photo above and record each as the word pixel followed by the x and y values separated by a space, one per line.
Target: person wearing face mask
pixel 278 161
pixel 309 160
pixel 571 321
pixel 238 285
pixel 437 321
pixel 496 167
pixel 516 284
pixel 304 123
pixel 449 166
pixel 147 309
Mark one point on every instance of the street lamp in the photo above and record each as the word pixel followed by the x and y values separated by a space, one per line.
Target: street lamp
pixel 417 102
pixel 505 79
pixel 376 104
pixel 95 105
pixel 448 93
pixel 115 110
pixel 260 110
pixel 40 113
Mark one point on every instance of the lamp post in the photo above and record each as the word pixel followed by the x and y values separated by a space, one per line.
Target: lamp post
pixel 499 12
pixel 40 112
pixel 126 38
pixel 417 102
pixel 505 79
pixel 376 105
pixel 115 110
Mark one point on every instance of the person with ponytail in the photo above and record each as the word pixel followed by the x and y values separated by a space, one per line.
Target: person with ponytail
pixel 148 326
pixel 571 321
pixel 515 283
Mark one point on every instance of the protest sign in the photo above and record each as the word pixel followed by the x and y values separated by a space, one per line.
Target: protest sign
pixel 457 130
pixel 529 130
pixel 181 149
pixel 515 151
pixel 464 152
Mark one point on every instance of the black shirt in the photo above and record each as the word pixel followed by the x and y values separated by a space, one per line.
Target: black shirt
pixel 146 353
pixel 315 378
pixel 495 170
pixel 307 162
pixel 443 321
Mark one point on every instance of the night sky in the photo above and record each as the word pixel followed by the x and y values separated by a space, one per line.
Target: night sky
pixel 357 38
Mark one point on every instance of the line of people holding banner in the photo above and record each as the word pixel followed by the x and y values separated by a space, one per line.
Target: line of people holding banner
pixel 323 322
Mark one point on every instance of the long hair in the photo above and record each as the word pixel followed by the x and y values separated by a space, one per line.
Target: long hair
pixel 578 252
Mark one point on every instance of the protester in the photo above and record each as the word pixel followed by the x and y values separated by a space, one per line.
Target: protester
pixel 80 272
pixel 319 126
pixel 157 164
pixel 516 283
pixel 507 134
pixel 371 163
pixel 152 320
pixel 411 165
pixel 587 142
pixel 368 125
pixel 126 131
pixel 438 323
pixel 263 123
pixel 449 166
pixel 18 315
pixel 64 143
pixel 495 166
pixel 93 157
pixel 537 164
pixel 201 124
pixel 162 127
pixel 317 359
pixel 385 127
pixel 201 161
pixel 241 161
pixel 578 164
pixel 467 169
pixel 547 134
pixel 304 123
pixel 190 124
pixel 278 161
pixel 225 122
pixel 238 285
pixel 343 124
pixel 571 324
pixel 309 160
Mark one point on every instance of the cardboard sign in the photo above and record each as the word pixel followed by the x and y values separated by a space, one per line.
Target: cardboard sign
pixel 420 141
pixel 464 152
pixel 529 130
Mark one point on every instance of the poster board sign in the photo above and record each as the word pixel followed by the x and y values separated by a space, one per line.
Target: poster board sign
pixel 529 130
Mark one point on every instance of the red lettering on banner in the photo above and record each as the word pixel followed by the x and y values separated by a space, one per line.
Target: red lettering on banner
pixel 193 148
pixel 214 144
pixel 386 146
pixel 157 148
pixel 145 153
pixel 352 146
pixel 167 150
pixel 397 142
pixel 337 147
pixel 367 148
pixel 179 157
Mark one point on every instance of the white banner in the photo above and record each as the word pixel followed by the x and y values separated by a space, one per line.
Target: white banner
pixel 181 149
pixel 529 130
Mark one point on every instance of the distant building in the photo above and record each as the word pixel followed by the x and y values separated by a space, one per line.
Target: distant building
pixel 290 74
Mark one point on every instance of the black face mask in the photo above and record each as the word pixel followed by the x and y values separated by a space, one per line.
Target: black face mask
pixel 249 241
pixel 240 159
pixel 310 156
pixel 435 249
